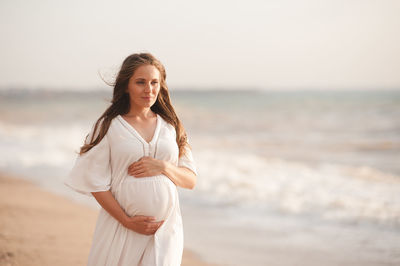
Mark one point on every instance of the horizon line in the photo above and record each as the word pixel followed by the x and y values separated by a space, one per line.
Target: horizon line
pixel 198 89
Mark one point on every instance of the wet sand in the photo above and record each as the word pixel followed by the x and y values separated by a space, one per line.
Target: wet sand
pixel 38 227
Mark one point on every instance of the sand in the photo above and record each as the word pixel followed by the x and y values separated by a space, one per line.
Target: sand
pixel 38 227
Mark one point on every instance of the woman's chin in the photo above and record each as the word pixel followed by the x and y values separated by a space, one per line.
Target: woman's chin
pixel 147 104
pixel 142 106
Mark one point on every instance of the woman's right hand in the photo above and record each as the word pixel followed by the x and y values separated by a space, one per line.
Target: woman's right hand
pixel 145 225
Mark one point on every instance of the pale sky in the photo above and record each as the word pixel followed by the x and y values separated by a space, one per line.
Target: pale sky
pixel 293 44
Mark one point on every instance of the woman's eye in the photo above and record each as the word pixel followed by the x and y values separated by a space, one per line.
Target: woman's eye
pixel 155 82
pixel 140 82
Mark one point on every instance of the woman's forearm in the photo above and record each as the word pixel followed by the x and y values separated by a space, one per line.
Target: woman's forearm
pixel 181 176
pixel 140 224
pixel 111 205
pixel 148 166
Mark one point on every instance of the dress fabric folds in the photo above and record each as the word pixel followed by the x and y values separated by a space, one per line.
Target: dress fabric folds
pixel 104 167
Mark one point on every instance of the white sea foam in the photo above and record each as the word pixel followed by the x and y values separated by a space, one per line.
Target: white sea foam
pixel 326 190
pixel 30 145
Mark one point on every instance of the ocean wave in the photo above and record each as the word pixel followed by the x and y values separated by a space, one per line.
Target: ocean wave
pixel 330 191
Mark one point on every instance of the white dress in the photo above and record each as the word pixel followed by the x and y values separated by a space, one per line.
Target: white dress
pixel 104 168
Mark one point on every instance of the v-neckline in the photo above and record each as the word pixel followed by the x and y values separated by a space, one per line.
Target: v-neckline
pixel 137 134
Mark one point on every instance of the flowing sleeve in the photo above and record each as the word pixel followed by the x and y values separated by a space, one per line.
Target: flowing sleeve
pixel 186 160
pixel 92 170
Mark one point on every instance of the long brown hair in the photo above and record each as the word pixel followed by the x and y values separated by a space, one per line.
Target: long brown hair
pixel 120 103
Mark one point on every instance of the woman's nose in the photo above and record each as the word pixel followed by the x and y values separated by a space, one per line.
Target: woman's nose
pixel 147 87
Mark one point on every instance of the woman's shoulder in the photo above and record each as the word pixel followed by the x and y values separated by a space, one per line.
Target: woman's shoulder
pixel 165 124
pixel 115 119
pixel 115 123
pixel 100 123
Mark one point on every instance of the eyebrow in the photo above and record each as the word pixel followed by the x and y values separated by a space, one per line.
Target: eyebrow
pixel 145 79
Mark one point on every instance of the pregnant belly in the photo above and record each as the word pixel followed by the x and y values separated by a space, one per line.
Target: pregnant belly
pixel 150 196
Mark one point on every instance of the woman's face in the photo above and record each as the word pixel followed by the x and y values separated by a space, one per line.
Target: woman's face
pixel 144 86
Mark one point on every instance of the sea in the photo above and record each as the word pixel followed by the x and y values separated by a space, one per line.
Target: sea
pixel 277 168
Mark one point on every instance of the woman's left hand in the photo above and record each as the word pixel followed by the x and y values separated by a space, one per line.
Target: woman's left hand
pixel 145 167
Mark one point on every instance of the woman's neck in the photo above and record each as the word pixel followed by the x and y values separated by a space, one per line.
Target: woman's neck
pixel 141 113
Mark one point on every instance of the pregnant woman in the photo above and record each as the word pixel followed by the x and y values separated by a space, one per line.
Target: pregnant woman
pixel 132 162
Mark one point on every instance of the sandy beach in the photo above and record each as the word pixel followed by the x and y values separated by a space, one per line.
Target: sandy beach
pixel 41 228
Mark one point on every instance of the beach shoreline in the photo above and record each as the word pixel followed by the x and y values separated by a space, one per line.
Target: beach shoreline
pixel 39 227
